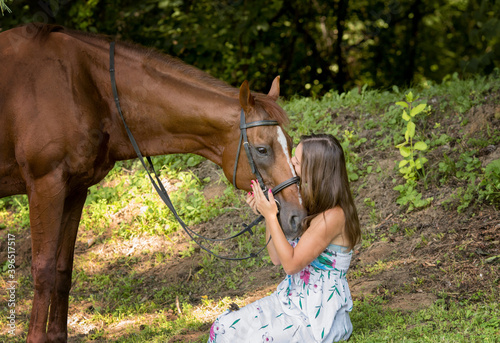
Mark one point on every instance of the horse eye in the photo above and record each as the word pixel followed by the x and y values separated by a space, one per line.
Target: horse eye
pixel 261 150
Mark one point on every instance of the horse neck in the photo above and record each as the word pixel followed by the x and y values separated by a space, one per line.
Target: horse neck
pixel 169 111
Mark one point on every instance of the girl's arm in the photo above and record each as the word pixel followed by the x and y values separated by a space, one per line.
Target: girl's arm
pixel 250 199
pixel 323 229
pixel 271 249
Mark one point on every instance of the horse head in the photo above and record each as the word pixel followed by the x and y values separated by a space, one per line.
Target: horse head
pixel 269 150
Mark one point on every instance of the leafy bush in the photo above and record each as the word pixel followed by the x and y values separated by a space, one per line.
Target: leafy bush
pixel 489 187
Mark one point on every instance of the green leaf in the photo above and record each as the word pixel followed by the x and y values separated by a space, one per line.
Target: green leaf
pixel 411 129
pixel 353 176
pixel 406 116
pixel 409 97
pixel 493 167
pixel 422 146
pixel 3 6
pixel 403 163
pixel 399 188
pixel 402 104
pixel 404 151
pixel 419 163
pixel 418 109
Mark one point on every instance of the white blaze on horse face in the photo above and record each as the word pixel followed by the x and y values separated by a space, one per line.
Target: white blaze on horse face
pixel 284 145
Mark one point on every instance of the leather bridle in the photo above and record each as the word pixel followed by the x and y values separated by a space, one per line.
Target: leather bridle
pixel 160 189
pixel 244 141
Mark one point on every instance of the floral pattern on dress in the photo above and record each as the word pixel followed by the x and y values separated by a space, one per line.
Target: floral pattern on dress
pixel 216 329
pixel 304 275
pixel 266 338
pixel 312 305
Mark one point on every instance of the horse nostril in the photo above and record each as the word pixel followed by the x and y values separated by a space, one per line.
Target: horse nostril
pixel 294 222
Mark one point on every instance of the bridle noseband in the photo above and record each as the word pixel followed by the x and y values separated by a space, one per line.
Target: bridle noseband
pixel 160 189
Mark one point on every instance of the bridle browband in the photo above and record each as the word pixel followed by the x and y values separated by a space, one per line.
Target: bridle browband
pixel 160 189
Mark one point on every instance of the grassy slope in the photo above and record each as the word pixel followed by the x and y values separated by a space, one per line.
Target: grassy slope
pixel 138 278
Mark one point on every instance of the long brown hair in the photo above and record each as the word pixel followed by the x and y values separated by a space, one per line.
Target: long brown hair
pixel 324 183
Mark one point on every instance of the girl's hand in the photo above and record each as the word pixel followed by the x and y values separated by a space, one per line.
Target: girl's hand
pixel 250 199
pixel 266 207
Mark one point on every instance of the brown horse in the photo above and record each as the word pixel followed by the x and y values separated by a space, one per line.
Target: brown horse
pixel 60 133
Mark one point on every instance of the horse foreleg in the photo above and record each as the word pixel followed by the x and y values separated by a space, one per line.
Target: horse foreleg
pixel 46 198
pixel 58 317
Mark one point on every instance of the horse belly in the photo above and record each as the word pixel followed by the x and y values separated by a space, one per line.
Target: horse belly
pixel 11 181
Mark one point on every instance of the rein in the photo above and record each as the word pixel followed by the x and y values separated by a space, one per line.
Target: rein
pixel 160 189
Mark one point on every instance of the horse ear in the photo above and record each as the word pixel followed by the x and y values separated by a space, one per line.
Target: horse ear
pixel 274 93
pixel 246 99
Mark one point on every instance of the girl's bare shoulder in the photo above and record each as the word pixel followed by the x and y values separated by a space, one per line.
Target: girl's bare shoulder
pixel 335 216
pixel 332 220
pixel 335 223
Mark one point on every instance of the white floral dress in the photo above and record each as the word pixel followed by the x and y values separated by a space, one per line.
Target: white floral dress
pixel 310 306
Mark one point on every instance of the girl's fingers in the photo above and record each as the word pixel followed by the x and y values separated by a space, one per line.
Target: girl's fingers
pixel 271 196
pixel 264 205
pixel 256 189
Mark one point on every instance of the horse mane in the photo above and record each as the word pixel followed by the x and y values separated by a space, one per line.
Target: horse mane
pixel 42 31
pixel 269 105
pixel 272 108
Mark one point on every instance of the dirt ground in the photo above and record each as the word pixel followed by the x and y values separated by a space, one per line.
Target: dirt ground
pixel 410 259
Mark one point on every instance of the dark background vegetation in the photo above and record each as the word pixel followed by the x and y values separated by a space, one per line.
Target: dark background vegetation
pixel 315 45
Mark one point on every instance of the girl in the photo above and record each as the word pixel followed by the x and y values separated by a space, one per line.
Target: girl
pixel 313 302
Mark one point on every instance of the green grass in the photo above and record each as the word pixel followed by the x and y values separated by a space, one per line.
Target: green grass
pixel 442 322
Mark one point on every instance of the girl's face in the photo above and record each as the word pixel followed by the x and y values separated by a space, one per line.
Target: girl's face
pixel 297 159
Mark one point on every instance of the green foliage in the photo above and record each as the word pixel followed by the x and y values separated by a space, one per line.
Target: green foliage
pixel 489 187
pixel 441 322
pixel 411 164
pixel 14 213
pixel 447 167
pixel 82 15
pixel 410 196
pixel 4 7
pixel 478 184
pixel 349 142
pixel 374 217
pixel 308 116
pixel 314 46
